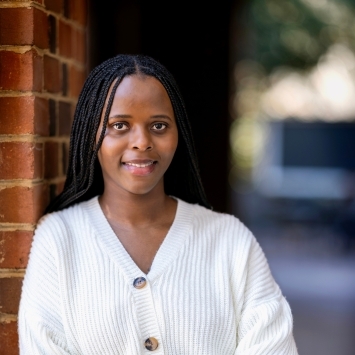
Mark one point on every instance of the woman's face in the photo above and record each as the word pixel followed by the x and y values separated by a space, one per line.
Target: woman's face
pixel 140 139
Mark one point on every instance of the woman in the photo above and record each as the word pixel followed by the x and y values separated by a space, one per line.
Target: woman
pixel 130 259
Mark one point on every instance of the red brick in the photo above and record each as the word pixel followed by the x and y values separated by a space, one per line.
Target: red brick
pixel 66 39
pixel 51 160
pixel 79 45
pixel 65 79
pixel 41 30
pixel 65 118
pixel 37 72
pixel 17 115
pixel 54 5
pixel 21 26
pixel 52 117
pixel 72 42
pixel 41 124
pixel 52 77
pixel 24 115
pixel 9 338
pixel 14 248
pixel 21 160
pixel 23 204
pixel 65 157
pixel 21 72
pixel 76 81
pixel 60 187
pixel 78 11
pixel 10 294
pixel 16 26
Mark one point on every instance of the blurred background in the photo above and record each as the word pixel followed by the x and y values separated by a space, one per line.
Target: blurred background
pixel 270 89
pixel 293 158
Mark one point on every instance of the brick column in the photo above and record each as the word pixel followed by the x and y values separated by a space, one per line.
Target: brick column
pixel 42 68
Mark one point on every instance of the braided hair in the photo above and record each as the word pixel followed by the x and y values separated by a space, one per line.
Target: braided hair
pixel 84 176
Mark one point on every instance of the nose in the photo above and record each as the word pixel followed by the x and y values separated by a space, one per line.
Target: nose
pixel 141 139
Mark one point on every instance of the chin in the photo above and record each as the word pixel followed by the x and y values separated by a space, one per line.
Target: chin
pixel 146 190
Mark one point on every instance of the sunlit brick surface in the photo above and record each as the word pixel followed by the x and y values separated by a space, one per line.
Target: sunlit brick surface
pixel 42 70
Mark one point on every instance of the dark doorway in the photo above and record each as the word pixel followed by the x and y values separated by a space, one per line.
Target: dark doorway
pixel 193 43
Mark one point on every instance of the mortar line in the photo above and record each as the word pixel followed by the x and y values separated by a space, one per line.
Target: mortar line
pixel 10 273
pixel 7 318
pixel 12 227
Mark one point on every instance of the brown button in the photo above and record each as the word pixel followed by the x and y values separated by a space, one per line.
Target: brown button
pixel 151 344
pixel 139 282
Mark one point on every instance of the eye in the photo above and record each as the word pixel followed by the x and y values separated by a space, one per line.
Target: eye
pixel 159 126
pixel 120 126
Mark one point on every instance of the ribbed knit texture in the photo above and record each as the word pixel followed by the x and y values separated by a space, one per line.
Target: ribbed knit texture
pixel 209 290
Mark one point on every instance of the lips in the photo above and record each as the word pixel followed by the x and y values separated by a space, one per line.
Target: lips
pixel 140 167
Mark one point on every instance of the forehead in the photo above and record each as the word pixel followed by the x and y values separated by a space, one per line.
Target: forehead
pixel 141 88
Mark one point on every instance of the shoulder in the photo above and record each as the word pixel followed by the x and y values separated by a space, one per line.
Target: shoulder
pixel 219 225
pixel 56 224
pixel 221 237
pixel 68 214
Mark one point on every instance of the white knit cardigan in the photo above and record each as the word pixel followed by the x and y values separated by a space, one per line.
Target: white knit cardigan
pixel 209 290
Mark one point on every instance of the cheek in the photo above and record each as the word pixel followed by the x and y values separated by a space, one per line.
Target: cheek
pixel 169 148
pixel 111 148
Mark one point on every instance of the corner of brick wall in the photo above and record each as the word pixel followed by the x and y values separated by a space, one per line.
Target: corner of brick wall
pixel 42 69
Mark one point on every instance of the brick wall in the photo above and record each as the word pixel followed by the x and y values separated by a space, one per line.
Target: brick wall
pixel 42 68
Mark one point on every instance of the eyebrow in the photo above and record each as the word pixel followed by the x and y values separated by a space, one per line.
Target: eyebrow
pixel 128 116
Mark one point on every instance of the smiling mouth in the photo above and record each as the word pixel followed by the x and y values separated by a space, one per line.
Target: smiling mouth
pixel 140 165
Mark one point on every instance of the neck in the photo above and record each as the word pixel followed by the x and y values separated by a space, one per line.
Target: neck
pixel 136 210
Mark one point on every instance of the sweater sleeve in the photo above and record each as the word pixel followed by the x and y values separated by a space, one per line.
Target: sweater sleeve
pixel 265 326
pixel 40 323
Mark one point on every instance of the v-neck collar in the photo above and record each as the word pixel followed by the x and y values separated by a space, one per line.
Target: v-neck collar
pixel 167 252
